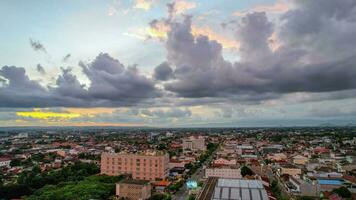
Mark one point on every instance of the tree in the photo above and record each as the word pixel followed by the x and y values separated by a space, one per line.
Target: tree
pixel 342 192
pixel 93 187
pixel 159 196
pixel 15 162
pixel 306 198
pixel 13 191
pixel 246 171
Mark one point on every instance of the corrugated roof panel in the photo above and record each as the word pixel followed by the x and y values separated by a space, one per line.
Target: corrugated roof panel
pixel 225 193
pixel 217 192
pixel 255 194
pixel 244 184
pixel 264 195
pixel 245 194
pixel 235 193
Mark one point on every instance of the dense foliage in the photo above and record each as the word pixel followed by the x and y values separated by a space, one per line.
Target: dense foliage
pixel 276 190
pixel 93 187
pixel 159 196
pixel 246 171
pixel 342 192
pixel 30 181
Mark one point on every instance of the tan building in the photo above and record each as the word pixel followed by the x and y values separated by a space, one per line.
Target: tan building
pixel 194 143
pixel 300 160
pixel 133 190
pixel 290 170
pixel 277 157
pixel 224 162
pixel 223 173
pixel 143 166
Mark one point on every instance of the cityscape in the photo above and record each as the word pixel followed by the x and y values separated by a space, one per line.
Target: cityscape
pixel 178 100
pixel 210 163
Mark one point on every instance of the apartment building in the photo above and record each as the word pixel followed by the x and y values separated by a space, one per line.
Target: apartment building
pixel 141 166
pixel 194 143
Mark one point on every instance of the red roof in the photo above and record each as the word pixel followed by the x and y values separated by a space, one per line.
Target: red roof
pixel 162 183
pixel 5 158
pixel 350 178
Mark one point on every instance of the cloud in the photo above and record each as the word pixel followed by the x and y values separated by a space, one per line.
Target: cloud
pixel 166 113
pixel 111 84
pixel 277 8
pixel 112 80
pixel 66 57
pixel 37 46
pixel 160 28
pixel 143 4
pixel 163 72
pixel 40 69
pixel 303 62
pixel 180 6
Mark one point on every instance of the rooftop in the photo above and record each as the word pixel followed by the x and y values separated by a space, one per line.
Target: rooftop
pixel 226 189
pixel 134 182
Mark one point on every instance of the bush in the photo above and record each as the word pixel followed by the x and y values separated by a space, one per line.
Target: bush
pixel 246 171
pixel 342 192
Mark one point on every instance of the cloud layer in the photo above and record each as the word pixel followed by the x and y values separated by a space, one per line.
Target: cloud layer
pixel 306 61
pixel 111 84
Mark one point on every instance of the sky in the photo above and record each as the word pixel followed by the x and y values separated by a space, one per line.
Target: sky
pixel 177 63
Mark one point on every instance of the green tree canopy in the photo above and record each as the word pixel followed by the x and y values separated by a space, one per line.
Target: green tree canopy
pixel 246 171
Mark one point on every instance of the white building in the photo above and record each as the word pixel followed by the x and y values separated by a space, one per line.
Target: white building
pixel 194 143
pixel 5 162
pixel 223 172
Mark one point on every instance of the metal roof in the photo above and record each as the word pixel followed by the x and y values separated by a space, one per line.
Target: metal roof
pixel 238 189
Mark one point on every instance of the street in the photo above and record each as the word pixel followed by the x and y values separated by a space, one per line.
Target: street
pixel 183 193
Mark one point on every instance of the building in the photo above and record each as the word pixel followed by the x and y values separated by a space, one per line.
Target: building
pixel 133 190
pixel 223 172
pixel 5 162
pixel 301 187
pixel 176 163
pixel 277 157
pixel 222 188
pixel 143 165
pixel 194 143
pixel 290 170
pixel 224 162
pixel 244 149
pixel 300 160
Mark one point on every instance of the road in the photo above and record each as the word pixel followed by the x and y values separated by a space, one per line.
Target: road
pixel 183 193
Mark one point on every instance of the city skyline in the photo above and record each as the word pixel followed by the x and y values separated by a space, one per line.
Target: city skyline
pixel 178 63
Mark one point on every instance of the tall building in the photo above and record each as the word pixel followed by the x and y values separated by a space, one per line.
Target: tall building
pixel 194 143
pixel 142 166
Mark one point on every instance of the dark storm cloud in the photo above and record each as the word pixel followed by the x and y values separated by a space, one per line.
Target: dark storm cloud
pixel 40 69
pixel 37 46
pixel 163 72
pixel 317 54
pixel 112 84
pixel 111 80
